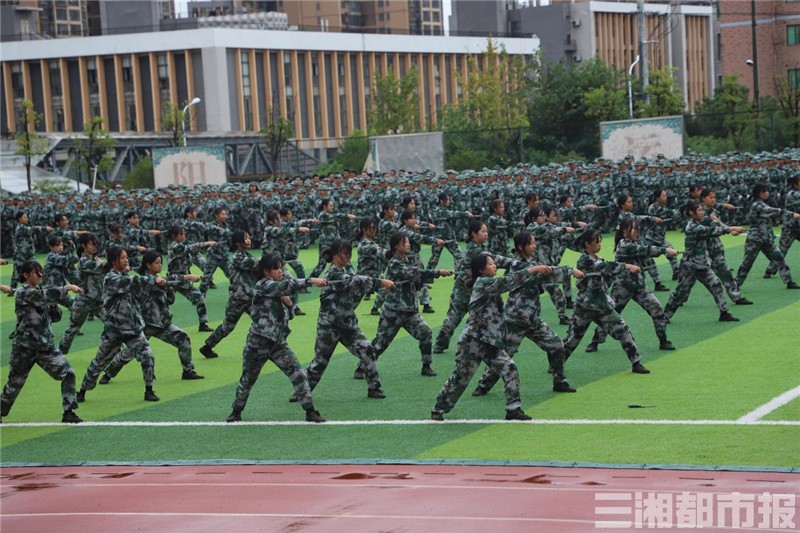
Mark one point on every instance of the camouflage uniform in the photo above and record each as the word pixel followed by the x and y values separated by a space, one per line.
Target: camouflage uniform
pixel 244 275
pixel 791 227
pixel 401 309
pixel 545 234
pixel 154 306
pixel 656 235
pixel 217 256
pixel 266 341
pixel 123 325
pixel 523 319
pixel 337 323
pixel 445 220
pixel 761 238
pixel 695 265
pixel 56 269
pixel 34 344
pixel 716 253
pixel 195 233
pixel 91 271
pixel 372 263
pixel 329 232
pixel 179 261
pixel 24 247
pixel 417 240
pixel 593 304
pixel 483 340
pixel 629 286
pixel 460 295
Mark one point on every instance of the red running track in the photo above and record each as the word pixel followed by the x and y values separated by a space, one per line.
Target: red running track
pixel 334 498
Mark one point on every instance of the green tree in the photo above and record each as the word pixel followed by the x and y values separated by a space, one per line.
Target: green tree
pixel 789 102
pixel 562 118
pixel 172 120
pixel 606 103
pixel 141 176
pixel 664 96
pixel 395 107
pixel 276 133
pixel 29 143
pixel 95 148
pixel 352 153
pixel 728 114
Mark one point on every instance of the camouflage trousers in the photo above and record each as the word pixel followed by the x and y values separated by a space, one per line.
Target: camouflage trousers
pixel 352 339
pixel 321 264
pixel 379 299
pixel 172 335
pixel 196 298
pixel 436 253
pixel 557 297
pixel 566 284
pixel 686 280
pixel 649 264
pixel 390 323
pixel 540 334
pixel 214 262
pixel 198 259
pixel 720 267
pixel 51 361
pixel 234 310
pixel 257 351
pixel 110 342
pixel 297 266
pixel 773 253
pixel 456 311
pixel 609 321
pixel 469 355
pixel 788 236
pixel 646 300
pixel 81 309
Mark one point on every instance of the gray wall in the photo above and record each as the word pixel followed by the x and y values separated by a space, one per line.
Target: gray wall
pixel 478 17
pixel 550 23
pixel 123 16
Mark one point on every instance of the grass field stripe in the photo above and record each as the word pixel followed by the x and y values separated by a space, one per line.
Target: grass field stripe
pixel 773 404
pixel 465 421
pixel 301 515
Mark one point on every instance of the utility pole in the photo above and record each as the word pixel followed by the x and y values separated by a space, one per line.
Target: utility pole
pixel 756 92
pixel 644 67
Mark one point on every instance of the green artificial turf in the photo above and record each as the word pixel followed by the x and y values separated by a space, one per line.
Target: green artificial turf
pixel 720 371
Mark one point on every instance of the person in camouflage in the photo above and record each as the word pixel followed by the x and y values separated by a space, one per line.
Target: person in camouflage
pixel 337 321
pixel 625 207
pixel 34 342
pixel 523 316
pixel 477 236
pixel 447 220
pixel 24 243
pixel 217 257
pixel 244 275
pixel 791 225
pixel 761 237
pixel 547 233
pixel 137 238
pixel 57 267
pixel 628 286
pixel 401 309
pixel 123 323
pixel 500 228
pixel 179 261
pixel 371 260
pixel 696 264
pixel 195 233
pixel 593 303
pixel 483 338
pixel 68 237
pixel 266 340
pixel 291 229
pixel 329 230
pixel 410 228
pixel 91 270
pixel 656 234
pixel 716 250
pixel 154 306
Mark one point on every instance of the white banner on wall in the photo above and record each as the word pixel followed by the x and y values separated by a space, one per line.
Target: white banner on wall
pixel 189 165
pixel 643 138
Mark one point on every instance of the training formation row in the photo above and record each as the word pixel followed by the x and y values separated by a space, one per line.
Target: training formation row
pixel 135 308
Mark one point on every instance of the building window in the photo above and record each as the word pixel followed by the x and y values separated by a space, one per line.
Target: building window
pixel 793 35
pixel 127 71
pixel 247 101
pixel 794 78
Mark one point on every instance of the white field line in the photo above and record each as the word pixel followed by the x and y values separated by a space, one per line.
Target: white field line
pixel 778 401
pixel 455 421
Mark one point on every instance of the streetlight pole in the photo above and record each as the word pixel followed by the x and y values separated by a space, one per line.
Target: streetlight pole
pixel 194 101
pixel 630 87
pixel 756 92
